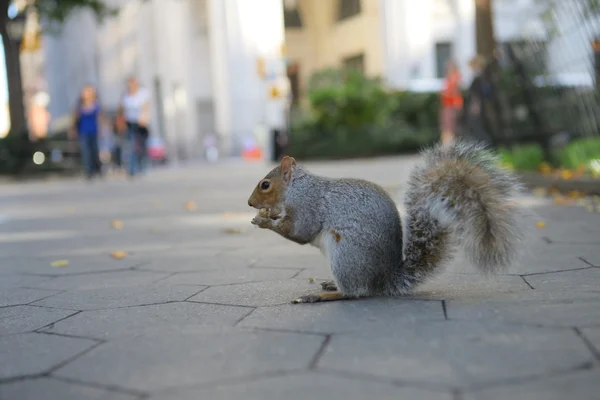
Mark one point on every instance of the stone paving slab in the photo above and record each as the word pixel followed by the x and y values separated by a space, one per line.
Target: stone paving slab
pixel 582 385
pixel 133 321
pixel 305 386
pixel 200 307
pixel 158 362
pixel 114 297
pixel 561 309
pixel 20 296
pixel 382 314
pixel 22 319
pixel 256 294
pixel 36 353
pixel 20 281
pixel 579 282
pixel 102 280
pixel 48 388
pixel 231 276
pixel 42 266
pixel 456 353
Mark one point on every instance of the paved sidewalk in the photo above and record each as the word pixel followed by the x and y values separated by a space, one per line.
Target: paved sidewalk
pixel 199 308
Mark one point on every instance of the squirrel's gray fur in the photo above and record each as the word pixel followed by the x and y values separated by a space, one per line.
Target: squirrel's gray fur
pixel 460 196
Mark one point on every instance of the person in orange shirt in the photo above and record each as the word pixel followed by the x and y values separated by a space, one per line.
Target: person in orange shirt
pixel 452 103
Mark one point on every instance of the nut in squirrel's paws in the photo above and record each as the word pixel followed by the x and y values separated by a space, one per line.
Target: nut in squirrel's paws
pixel 262 219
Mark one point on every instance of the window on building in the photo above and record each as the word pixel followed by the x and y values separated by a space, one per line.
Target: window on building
pixel 291 18
pixel 348 8
pixel 443 53
pixel 356 62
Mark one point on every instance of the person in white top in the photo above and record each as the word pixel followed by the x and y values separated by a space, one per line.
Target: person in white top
pixel 134 112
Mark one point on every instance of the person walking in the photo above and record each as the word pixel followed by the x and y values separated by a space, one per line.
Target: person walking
pixel 452 103
pixel 134 111
pixel 87 120
pixel 477 111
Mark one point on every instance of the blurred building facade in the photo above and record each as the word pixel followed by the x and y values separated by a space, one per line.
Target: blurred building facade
pixel 408 42
pixel 196 57
pixel 200 58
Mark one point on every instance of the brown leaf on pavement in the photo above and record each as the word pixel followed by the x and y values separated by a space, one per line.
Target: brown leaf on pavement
pixel 117 224
pixel 59 263
pixel 190 205
pixel 233 231
pixel 118 255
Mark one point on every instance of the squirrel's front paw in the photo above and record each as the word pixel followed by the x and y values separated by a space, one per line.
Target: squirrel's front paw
pixel 262 222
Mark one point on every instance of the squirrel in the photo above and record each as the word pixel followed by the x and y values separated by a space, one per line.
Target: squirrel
pixel 460 196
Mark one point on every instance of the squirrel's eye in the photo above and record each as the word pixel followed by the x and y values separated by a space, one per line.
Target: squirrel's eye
pixel 265 185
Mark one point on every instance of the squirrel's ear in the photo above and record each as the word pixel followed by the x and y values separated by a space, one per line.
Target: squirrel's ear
pixel 287 165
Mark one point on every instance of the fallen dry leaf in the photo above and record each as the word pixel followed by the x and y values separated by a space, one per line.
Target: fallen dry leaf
pixel 119 255
pixel 563 201
pixel 233 231
pixel 311 280
pixel 190 206
pixel 545 168
pixel 540 224
pixel 566 174
pixel 574 194
pixel 59 263
pixel 117 224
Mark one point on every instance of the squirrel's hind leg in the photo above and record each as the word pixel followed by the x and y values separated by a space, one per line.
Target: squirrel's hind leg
pixel 320 297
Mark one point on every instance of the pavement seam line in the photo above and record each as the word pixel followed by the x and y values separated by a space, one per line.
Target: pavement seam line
pixel 320 352
pixel 243 317
pixel 440 387
pixel 527 282
pixel 197 293
pixel 557 272
pixel 51 324
pixel 110 388
pixel 595 352
pixel 588 263
pixel 72 358
pixel 445 309
pixel 532 377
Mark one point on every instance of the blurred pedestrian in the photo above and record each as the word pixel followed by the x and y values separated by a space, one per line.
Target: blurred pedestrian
pixel 134 112
pixel 452 103
pixel 87 120
pixel 478 97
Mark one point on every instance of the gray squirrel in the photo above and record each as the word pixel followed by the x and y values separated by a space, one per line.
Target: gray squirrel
pixel 460 196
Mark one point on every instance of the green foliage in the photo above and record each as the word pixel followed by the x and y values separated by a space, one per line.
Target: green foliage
pixel 59 10
pixel 580 152
pixel 351 115
pixel 526 157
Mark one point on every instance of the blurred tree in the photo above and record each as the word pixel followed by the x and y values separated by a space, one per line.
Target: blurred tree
pixel 484 28
pixel 53 13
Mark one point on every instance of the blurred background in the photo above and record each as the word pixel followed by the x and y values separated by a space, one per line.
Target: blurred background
pixel 319 79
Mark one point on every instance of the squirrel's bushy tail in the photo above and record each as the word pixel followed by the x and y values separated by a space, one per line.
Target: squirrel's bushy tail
pixel 460 196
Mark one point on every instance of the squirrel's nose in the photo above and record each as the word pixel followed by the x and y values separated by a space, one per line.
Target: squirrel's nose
pixel 250 203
